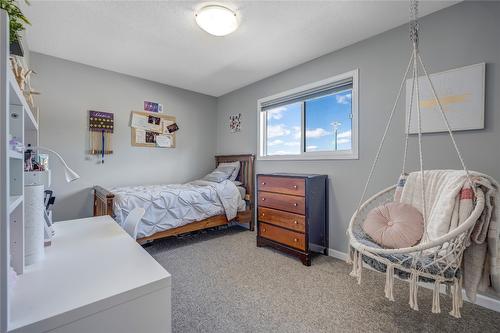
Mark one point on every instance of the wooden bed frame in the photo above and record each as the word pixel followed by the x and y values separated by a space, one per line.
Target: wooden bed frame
pixel 103 202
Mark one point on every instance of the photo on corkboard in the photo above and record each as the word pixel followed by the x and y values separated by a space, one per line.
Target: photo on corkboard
pixel 151 137
pixel 154 120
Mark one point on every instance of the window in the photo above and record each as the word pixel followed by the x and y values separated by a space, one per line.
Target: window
pixel 316 121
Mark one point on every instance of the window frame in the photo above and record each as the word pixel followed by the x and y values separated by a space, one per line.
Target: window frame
pixel 312 155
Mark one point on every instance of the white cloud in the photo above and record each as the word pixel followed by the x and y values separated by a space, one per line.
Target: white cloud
pixel 343 99
pixel 284 152
pixel 343 141
pixel 292 143
pixel 276 113
pixel 316 133
pixel 311 147
pixel 343 135
pixel 275 142
pixel 296 132
pixel 277 130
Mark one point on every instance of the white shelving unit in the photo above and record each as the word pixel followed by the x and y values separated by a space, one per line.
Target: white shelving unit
pixel 17 120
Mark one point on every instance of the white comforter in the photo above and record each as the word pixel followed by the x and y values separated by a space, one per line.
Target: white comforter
pixel 174 205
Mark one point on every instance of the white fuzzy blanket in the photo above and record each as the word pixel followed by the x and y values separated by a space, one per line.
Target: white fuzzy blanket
pixel 446 211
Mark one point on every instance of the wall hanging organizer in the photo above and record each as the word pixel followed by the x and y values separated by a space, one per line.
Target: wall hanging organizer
pixel 153 130
pixel 101 126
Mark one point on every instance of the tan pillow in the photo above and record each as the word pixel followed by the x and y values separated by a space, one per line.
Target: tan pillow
pixel 394 225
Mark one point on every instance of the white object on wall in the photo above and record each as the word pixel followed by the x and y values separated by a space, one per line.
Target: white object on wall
pixel 34 224
pixel 461 93
pixel 235 122
pixel 37 178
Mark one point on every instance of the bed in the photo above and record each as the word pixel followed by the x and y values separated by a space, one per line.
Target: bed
pixel 110 201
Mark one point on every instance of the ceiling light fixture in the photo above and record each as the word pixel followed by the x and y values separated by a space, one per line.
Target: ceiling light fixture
pixel 217 20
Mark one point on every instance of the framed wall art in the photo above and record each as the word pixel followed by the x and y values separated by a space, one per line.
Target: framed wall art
pixel 461 93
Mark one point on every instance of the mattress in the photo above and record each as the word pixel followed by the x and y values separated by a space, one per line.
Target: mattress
pixel 175 205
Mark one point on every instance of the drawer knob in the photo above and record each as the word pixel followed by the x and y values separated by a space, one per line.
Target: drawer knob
pixel 263 183
pixel 295 240
pixel 295 222
pixel 264 230
pixel 263 214
pixel 263 199
pixel 295 204
pixel 295 186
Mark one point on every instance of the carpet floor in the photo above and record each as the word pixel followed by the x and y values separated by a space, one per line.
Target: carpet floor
pixel 221 282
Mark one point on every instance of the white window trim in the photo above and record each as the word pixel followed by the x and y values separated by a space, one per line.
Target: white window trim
pixel 333 155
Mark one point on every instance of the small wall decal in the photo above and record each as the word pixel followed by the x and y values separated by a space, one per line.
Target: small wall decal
pixel 235 122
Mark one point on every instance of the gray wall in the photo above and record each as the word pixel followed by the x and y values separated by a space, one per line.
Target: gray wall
pixel 69 90
pixel 464 34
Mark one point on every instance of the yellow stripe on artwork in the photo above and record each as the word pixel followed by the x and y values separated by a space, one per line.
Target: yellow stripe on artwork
pixel 446 100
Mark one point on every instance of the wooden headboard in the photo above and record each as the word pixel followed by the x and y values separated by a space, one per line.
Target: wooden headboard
pixel 246 174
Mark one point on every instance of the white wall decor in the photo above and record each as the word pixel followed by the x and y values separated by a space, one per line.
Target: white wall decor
pixel 235 122
pixel 461 93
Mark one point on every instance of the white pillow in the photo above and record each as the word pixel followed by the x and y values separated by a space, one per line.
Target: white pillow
pixel 220 174
pixel 236 166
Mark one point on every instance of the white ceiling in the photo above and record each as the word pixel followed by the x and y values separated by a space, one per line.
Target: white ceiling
pixel 160 41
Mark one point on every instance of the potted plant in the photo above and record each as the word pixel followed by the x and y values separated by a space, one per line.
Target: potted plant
pixel 17 23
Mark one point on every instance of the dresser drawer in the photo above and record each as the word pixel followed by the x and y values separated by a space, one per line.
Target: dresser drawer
pixel 285 185
pixel 283 219
pixel 289 203
pixel 283 236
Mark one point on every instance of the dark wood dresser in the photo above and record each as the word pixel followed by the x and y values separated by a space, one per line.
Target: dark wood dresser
pixel 292 213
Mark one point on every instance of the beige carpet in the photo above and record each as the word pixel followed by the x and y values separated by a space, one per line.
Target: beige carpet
pixel 223 283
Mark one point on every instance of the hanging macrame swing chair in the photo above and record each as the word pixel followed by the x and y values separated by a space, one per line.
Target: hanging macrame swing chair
pixel 437 261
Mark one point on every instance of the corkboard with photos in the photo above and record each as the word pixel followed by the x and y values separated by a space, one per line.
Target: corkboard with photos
pixel 151 129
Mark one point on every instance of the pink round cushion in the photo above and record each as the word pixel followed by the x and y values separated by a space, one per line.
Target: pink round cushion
pixel 394 225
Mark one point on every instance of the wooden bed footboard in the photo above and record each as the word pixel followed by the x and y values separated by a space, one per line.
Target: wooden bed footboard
pixel 103 201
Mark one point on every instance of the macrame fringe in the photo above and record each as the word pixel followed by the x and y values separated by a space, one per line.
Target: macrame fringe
pixel 348 259
pixel 414 290
pixel 357 265
pixel 389 282
pixel 436 306
pixel 457 301
pixel 460 295
pixel 360 266
pixel 354 272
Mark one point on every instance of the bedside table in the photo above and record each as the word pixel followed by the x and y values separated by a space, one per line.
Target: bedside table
pixel 292 213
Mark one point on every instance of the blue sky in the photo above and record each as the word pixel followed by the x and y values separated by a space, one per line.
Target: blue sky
pixel 283 125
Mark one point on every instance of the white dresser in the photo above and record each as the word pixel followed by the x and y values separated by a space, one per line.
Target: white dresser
pixel 94 278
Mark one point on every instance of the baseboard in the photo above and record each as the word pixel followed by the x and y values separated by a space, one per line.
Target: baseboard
pixel 337 254
pixel 481 300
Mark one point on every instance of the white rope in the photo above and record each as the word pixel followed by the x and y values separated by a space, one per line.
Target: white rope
pixel 354 272
pixel 389 282
pixel 377 156
pixel 448 127
pixel 414 290
pixel 360 267
pixel 436 307
pixel 408 123
pixel 456 295
pixel 348 259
